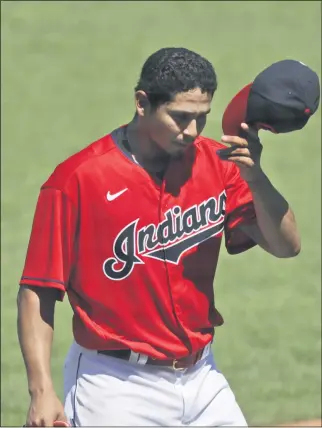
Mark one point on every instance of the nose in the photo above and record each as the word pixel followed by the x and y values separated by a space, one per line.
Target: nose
pixel 191 131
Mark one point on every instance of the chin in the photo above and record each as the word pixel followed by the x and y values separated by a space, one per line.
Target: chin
pixel 180 147
pixel 177 154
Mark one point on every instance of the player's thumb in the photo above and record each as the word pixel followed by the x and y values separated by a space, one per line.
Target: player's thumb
pixel 61 420
pixel 61 423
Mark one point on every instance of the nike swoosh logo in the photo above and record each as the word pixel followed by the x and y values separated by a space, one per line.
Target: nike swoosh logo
pixel 110 197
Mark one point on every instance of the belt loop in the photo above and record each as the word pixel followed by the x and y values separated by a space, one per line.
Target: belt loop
pixel 198 357
pixel 134 357
pixel 142 359
pixel 138 358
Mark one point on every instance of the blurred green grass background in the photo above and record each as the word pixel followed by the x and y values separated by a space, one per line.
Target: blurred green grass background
pixel 68 72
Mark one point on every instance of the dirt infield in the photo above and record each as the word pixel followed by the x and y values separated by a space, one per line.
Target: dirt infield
pixel 311 423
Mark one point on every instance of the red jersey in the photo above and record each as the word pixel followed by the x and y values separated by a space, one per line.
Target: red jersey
pixel 137 257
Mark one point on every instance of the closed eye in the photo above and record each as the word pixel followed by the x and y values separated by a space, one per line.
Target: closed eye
pixel 187 117
pixel 182 117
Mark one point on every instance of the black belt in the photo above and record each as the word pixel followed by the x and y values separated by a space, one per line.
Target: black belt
pixel 181 363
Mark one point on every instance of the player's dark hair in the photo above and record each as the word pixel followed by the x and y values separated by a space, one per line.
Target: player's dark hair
pixel 170 71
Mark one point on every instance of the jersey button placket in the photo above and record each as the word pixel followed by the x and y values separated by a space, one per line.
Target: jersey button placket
pixel 173 270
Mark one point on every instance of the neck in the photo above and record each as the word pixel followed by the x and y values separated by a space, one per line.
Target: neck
pixel 146 151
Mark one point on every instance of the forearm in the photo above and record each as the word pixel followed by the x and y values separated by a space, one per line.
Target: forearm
pixel 35 332
pixel 275 218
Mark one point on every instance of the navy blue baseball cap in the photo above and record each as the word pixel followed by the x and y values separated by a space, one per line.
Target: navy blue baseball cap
pixel 281 99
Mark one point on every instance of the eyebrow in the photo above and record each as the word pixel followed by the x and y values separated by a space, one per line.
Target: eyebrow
pixel 190 113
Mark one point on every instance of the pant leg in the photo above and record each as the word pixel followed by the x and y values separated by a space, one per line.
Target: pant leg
pixel 209 400
pixel 106 391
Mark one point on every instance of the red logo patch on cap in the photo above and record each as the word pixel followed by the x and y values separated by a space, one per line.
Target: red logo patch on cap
pixel 307 111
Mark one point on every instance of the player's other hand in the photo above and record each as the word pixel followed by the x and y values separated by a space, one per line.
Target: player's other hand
pixel 244 152
pixel 45 408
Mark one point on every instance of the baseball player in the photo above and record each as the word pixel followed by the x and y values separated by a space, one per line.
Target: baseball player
pixel 130 229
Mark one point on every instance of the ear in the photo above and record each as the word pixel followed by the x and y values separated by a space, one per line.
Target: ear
pixel 142 104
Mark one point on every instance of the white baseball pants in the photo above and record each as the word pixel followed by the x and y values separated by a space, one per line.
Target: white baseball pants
pixel 106 391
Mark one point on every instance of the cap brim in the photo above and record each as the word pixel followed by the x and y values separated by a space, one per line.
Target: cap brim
pixel 235 112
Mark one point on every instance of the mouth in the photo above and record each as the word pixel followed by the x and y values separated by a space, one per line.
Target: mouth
pixel 183 144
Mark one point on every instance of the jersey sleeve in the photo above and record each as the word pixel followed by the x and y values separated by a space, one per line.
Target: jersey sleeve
pixel 50 251
pixel 239 210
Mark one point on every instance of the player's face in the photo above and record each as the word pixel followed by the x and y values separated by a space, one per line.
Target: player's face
pixel 174 126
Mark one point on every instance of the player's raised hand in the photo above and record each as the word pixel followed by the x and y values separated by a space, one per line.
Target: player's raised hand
pixel 45 409
pixel 244 152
